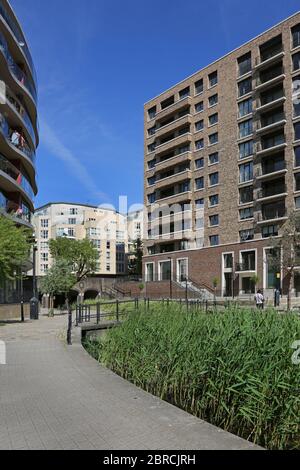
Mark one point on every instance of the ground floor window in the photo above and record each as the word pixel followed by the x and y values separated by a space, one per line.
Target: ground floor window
pixel 149 272
pixel 165 270
pixel 248 286
pixel 182 269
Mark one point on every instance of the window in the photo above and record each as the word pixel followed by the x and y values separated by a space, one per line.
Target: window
pixel 45 223
pixel 214 200
pixel 149 272
pixel 244 64
pixel 97 244
pixel 214 179
pixel 213 100
pixel 296 61
pixel 152 112
pixel 246 235
pixel 245 128
pixel 165 270
pixel 213 119
pixel 199 163
pixel 214 220
pixel 152 131
pixel 184 149
pixel 269 231
pixel 184 187
pixel 297 131
pixel 246 213
pixel 213 158
pixel 245 87
pixel 297 156
pixel 214 240
pixel 71 232
pixel 151 198
pixel 246 172
pixel 296 36
pixel 246 195
pixel 151 148
pixel 72 222
pixel 297 181
pixel 199 87
pixel 199 125
pixel 151 180
pixel 108 245
pixel 297 202
pixel 213 79
pixel 44 268
pixel 45 257
pixel 228 261
pixel 152 164
pixel 199 203
pixel 199 183
pixel 44 234
pixel 245 107
pixel 199 107
pixel 184 93
pixel 246 149
pixel 108 267
pixel 199 144
pixel 44 246
pixel 213 138
pixel 73 211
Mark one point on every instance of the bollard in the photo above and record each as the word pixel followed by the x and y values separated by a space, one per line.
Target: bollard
pixel 69 332
pixel 117 312
pixel 98 313
pixel 34 309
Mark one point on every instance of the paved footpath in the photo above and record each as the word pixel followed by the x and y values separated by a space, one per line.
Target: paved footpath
pixel 57 397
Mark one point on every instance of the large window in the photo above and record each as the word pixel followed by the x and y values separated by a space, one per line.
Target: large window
pixel 269 231
pixel 214 200
pixel 213 79
pixel 214 179
pixel 199 107
pixel 214 220
pixel 213 158
pixel 149 272
pixel 245 107
pixel 213 100
pixel 246 172
pixel 297 156
pixel 214 240
pixel 246 235
pixel 296 61
pixel 152 112
pixel 296 36
pixel 246 149
pixel 199 86
pixel 184 93
pixel 199 144
pixel 213 138
pixel 245 87
pixel 199 125
pixel 213 119
pixel 165 270
pixel 246 213
pixel 245 128
pixel 244 64
pixel 199 163
pixel 246 195
pixel 297 131
pixel 199 183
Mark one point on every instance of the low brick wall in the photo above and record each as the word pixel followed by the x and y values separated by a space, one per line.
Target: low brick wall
pixel 13 311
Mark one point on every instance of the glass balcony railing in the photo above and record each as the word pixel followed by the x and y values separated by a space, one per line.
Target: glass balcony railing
pixel 271 142
pixel 15 210
pixel 269 75
pixel 272 168
pixel 16 70
pixel 20 38
pixel 247 265
pixel 273 214
pixel 13 100
pixel 14 137
pixel 273 190
pixel 270 120
pixel 7 167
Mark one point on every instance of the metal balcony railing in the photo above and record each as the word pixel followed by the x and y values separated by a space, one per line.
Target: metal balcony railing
pixel 269 169
pixel 265 56
pixel 245 266
pixel 272 214
pixel 271 191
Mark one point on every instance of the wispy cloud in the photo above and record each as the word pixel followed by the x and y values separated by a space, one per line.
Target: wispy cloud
pixel 57 148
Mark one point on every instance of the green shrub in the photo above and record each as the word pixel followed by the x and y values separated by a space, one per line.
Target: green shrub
pixel 233 370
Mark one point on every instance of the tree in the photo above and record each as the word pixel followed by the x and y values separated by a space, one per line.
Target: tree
pixel 14 248
pixel 59 280
pixel 81 255
pixel 136 263
pixel 285 253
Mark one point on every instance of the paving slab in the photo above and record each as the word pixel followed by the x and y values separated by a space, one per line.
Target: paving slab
pixel 54 396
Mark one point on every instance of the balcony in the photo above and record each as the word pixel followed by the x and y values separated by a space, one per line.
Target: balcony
pixel 274 56
pixel 270 171
pixel 174 108
pixel 16 71
pixel 270 78
pixel 176 198
pixel 176 142
pixel 16 139
pixel 173 179
pixel 270 122
pixel 272 215
pixel 270 145
pixel 175 160
pixel 18 108
pixel 273 191
pixel 174 125
pixel 19 179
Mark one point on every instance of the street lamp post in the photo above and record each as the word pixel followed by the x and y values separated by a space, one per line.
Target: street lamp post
pixel 171 290
pixel 22 297
pixel 34 303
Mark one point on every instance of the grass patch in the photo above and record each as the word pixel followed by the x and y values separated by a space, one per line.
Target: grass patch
pixel 233 369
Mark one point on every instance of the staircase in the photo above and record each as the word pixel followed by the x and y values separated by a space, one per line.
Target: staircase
pixel 200 291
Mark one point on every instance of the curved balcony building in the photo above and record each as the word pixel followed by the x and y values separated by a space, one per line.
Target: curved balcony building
pixel 18 120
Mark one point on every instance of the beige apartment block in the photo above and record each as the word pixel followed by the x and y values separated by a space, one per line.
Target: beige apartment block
pixel 222 166
pixel 106 228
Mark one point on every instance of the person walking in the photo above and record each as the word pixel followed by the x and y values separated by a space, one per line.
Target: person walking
pixel 277 297
pixel 259 300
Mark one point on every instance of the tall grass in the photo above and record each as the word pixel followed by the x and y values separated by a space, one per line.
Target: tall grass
pixel 233 370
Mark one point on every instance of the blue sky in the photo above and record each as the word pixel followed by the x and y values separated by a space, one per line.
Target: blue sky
pixel 99 61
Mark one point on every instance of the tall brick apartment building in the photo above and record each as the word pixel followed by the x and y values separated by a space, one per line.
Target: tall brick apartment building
pixel 222 166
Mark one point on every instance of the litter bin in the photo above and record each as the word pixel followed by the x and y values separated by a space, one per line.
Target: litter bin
pixel 34 309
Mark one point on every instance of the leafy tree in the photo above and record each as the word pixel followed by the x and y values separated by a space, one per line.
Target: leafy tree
pixel 59 280
pixel 14 248
pixel 81 255
pixel 136 264
pixel 285 253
